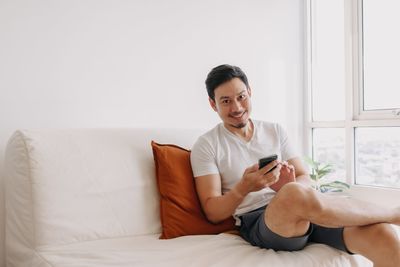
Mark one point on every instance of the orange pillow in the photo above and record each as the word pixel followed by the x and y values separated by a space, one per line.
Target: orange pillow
pixel 180 210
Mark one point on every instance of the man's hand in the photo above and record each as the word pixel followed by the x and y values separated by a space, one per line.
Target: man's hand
pixel 287 175
pixel 255 179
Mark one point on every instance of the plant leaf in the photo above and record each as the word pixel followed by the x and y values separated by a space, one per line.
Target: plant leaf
pixel 327 167
pixel 335 186
pixel 311 162
pixel 323 173
pixel 340 184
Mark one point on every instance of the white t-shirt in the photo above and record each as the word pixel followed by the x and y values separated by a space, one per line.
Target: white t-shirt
pixel 220 152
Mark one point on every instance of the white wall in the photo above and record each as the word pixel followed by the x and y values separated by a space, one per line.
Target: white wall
pixel 118 63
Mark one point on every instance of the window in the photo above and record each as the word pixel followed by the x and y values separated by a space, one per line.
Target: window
pixel 381 55
pixel 328 146
pixel 328 77
pixel 354 89
pixel 377 156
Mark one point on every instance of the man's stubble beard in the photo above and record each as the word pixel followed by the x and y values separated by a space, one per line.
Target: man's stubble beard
pixel 243 124
pixel 240 126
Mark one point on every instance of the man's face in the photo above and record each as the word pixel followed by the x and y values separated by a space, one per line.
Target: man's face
pixel 232 103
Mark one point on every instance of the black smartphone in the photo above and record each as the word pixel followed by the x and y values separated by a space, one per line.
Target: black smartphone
pixel 264 161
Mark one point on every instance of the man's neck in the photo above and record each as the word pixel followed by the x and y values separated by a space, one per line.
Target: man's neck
pixel 245 133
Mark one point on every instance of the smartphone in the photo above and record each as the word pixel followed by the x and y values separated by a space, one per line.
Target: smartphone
pixel 264 161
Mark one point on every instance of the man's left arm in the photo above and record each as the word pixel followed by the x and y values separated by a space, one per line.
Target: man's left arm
pixel 301 173
pixel 292 171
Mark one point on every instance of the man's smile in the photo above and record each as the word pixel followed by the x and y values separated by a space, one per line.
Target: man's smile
pixel 237 115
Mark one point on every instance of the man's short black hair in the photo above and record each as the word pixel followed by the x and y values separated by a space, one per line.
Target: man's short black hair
pixel 222 74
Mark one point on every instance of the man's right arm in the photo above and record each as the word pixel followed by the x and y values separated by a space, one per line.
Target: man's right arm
pixel 218 206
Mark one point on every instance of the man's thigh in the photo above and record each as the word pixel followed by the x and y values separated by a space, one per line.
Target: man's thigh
pixel 255 231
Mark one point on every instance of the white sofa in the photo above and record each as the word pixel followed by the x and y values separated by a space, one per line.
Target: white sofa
pixel 88 197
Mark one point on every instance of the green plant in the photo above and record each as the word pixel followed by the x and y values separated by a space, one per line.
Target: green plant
pixel 319 170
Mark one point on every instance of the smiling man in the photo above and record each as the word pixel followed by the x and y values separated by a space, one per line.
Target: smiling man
pixel 274 206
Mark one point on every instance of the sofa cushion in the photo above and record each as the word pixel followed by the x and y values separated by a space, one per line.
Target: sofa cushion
pixel 180 208
pixel 195 251
pixel 71 185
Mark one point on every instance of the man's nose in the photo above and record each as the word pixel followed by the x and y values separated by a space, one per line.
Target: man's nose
pixel 236 106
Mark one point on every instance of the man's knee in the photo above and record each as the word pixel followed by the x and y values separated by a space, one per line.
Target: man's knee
pixel 299 197
pixel 386 242
pixel 383 233
pixel 286 214
pixel 380 237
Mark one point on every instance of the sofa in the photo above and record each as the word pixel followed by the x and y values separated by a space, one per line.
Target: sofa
pixel 92 197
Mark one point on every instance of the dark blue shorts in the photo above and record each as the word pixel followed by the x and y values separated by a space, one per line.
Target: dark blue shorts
pixel 255 231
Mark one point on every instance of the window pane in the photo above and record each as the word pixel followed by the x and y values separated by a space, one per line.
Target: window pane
pixel 378 156
pixel 381 54
pixel 328 148
pixel 328 65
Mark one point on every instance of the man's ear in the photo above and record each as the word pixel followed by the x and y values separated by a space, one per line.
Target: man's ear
pixel 212 104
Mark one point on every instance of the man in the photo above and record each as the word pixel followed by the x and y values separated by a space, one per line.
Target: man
pixel 275 205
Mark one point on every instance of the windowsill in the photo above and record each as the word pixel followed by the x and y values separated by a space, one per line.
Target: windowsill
pixel 388 197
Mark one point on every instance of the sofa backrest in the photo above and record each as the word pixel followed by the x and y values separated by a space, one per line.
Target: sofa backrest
pixel 66 186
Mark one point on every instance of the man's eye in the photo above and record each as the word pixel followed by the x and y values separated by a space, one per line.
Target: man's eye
pixel 241 97
pixel 226 101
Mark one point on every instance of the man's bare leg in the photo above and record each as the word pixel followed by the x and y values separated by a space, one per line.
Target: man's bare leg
pixel 295 205
pixel 377 242
pixel 293 208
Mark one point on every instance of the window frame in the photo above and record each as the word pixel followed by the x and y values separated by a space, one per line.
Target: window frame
pixel 355 15
pixel 355 116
